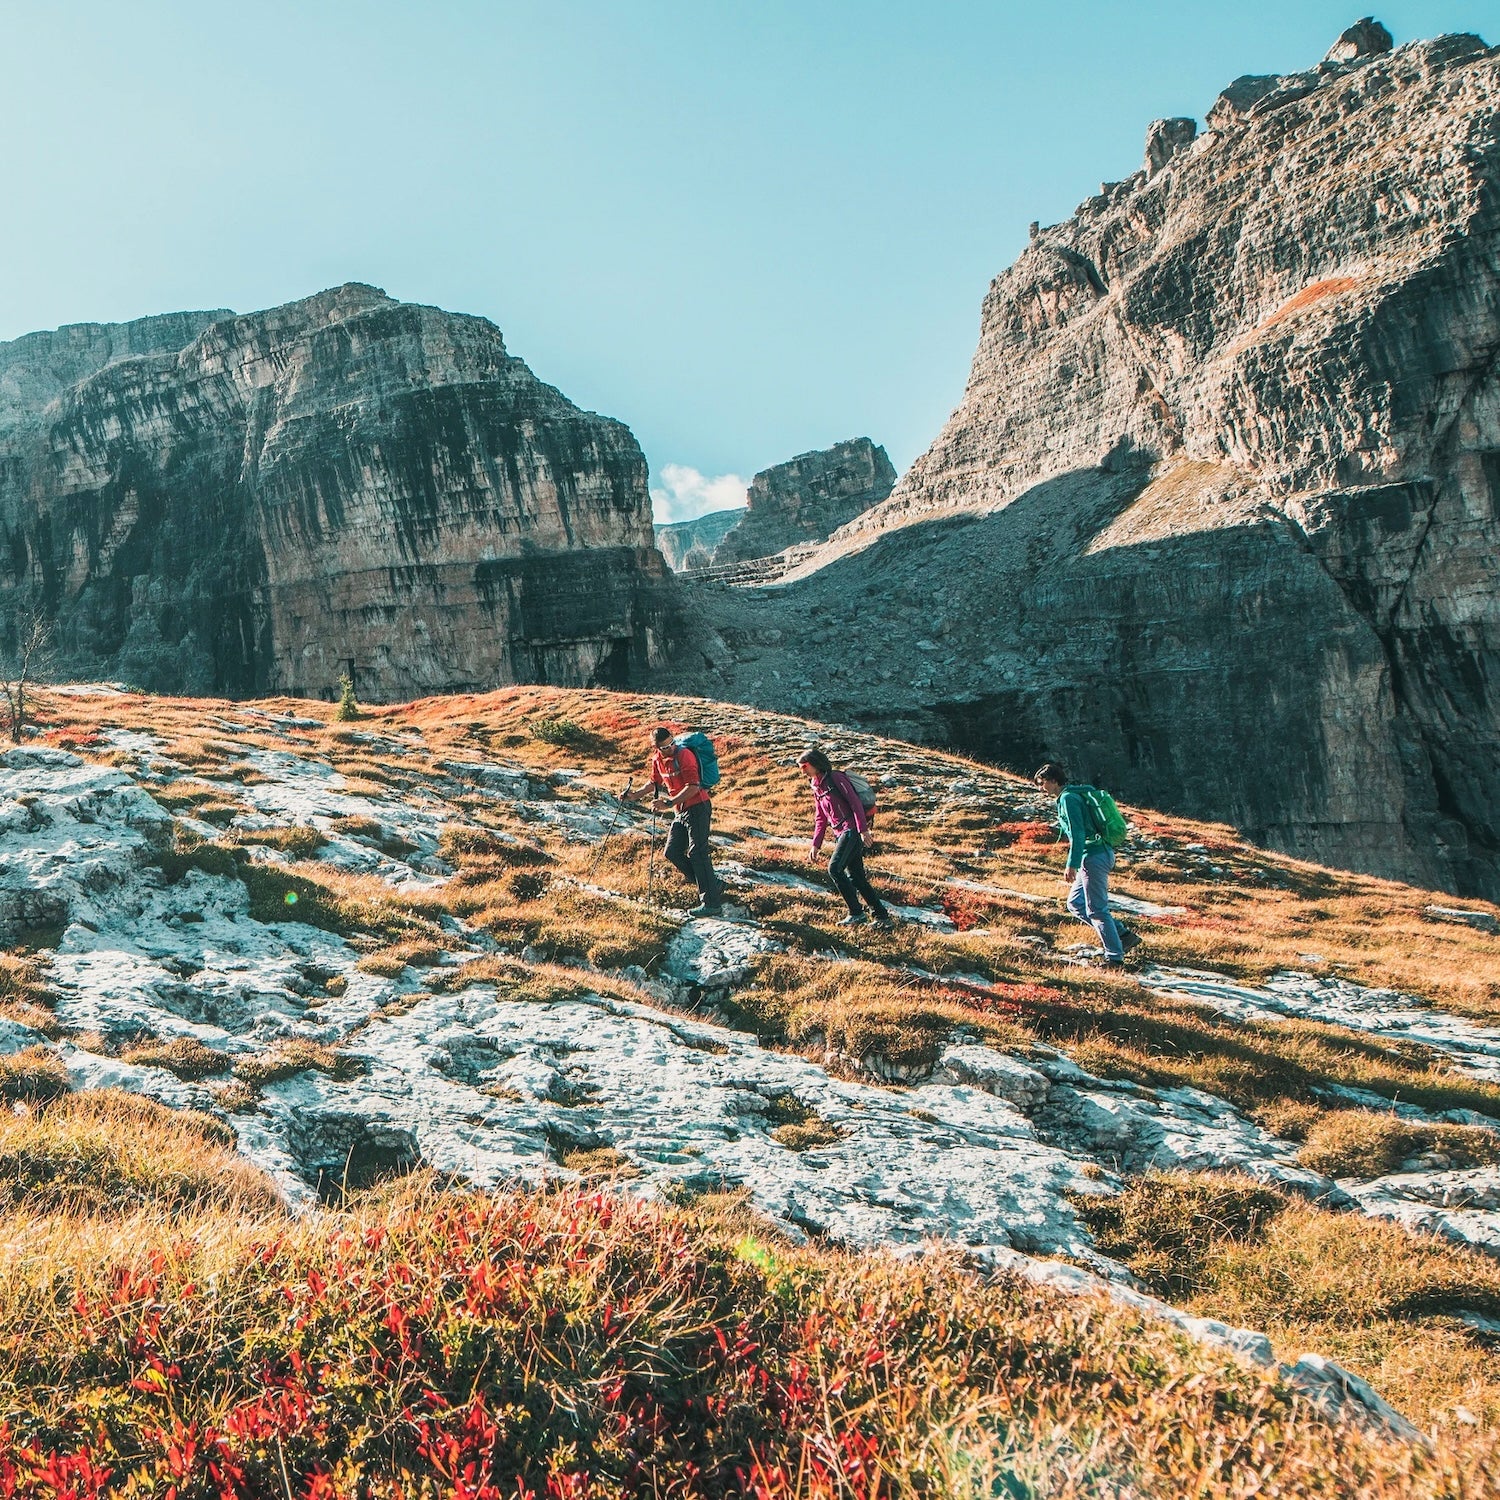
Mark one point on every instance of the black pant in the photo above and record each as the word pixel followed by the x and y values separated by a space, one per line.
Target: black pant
pixel 687 849
pixel 848 870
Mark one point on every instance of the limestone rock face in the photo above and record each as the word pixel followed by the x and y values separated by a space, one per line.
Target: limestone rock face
pixel 690 544
pixel 242 504
pixel 807 498
pixel 1215 521
pixel 1366 38
pixel 1164 139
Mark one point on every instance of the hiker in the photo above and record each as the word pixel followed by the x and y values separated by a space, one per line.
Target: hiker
pixel 1090 859
pixel 841 808
pixel 674 774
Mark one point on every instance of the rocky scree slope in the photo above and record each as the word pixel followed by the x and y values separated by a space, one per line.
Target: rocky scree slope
pixel 242 504
pixel 423 942
pixel 1224 474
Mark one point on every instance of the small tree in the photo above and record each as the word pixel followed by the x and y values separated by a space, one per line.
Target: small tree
pixel 26 658
pixel 348 704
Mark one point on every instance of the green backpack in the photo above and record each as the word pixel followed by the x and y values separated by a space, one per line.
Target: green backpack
pixel 1108 820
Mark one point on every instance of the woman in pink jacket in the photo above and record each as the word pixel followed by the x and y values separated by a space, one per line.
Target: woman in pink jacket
pixel 839 808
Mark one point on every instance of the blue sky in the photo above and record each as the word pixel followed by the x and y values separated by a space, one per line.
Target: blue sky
pixel 745 229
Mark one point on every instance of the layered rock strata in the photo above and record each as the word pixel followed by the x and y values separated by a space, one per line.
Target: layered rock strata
pixel 808 498
pixel 250 504
pixel 686 545
pixel 1215 520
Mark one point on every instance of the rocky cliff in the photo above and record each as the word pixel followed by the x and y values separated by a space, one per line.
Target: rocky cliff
pixel 247 504
pixel 808 498
pixel 1216 517
pixel 690 544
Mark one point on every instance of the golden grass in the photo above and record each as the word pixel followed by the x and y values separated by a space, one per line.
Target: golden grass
pixel 534 983
pixel 184 1056
pixel 598 1163
pixel 1361 1143
pixel 108 1152
pixel 33 1073
pixel 300 842
pixel 858 1011
pixel 604 932
pixel 292 1056
pixel 1370 1294
pixel 799 1128
pixel 24 994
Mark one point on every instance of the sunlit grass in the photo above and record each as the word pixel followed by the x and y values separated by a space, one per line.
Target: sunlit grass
pixel 896 999
pixel 1368 1293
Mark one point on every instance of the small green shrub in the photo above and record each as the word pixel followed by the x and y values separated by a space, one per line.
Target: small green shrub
pixel 348 708
pixel 553 729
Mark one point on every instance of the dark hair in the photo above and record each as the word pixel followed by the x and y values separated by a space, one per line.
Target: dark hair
pixel 660 733
pixel 1051 771
pixel 817 760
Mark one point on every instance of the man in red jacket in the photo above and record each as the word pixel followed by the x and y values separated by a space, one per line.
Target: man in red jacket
pixel 673 775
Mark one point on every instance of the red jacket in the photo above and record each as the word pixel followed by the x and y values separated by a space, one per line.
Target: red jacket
pixel 675 769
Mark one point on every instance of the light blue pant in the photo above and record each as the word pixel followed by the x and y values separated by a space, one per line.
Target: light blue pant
pixel 1088 899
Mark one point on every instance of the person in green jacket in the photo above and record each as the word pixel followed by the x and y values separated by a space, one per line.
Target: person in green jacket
pixel 1090 860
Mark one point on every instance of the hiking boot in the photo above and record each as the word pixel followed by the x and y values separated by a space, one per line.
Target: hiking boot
pixel 707 909
pixel 854 919
pixel 1128 940
pixel 883 922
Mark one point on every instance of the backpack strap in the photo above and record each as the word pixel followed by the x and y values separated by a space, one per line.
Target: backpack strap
pixel 1091 806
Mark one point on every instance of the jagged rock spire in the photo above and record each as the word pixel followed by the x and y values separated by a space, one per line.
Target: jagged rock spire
pixel 1366 38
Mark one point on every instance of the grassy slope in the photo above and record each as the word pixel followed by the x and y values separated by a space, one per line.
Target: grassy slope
pixel 423 1343
pixel 1248 913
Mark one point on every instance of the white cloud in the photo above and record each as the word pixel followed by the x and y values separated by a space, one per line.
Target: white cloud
pixel 685 493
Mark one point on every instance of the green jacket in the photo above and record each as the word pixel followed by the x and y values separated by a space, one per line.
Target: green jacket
pixel 1077 823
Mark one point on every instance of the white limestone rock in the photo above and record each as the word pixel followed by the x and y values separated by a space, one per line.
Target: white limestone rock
pixel 715 954
pixel 1471 1049
pixel 994 1072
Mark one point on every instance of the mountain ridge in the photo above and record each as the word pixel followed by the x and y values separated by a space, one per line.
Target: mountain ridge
pixel 1224 475
pixel 254 510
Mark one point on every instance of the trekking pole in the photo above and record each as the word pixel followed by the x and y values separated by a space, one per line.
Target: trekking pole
pixel 609 832
pixel 651 864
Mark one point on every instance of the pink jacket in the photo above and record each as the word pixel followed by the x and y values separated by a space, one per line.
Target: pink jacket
pixel 839 808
